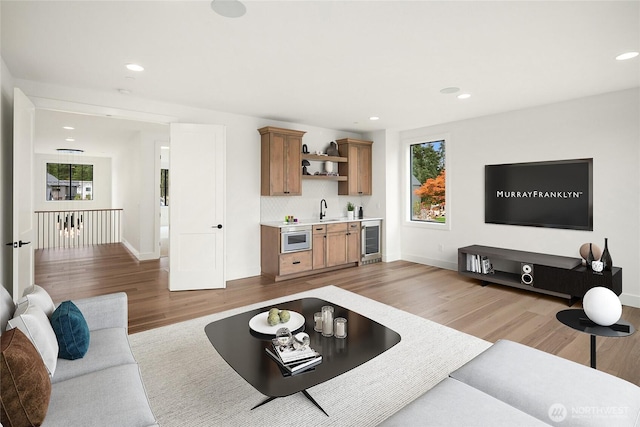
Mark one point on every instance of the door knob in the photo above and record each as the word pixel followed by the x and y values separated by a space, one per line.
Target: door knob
pixel 17 244
pixel 219 226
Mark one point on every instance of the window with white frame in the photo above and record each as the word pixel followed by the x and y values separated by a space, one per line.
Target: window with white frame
pixel 427 178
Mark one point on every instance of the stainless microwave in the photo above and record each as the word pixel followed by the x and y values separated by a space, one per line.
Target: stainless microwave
pixel 295 238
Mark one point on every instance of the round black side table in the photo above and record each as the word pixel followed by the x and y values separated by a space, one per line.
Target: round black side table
pixel 577 319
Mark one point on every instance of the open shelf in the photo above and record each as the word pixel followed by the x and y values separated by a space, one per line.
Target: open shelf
pixel 325 177
pixel 315 157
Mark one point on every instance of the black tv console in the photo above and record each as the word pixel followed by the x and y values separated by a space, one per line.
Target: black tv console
pixel 559 276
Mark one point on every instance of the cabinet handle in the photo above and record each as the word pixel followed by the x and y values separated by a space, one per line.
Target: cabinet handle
pixel 296 262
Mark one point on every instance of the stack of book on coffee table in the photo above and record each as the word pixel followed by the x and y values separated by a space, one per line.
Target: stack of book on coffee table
pixel 294 361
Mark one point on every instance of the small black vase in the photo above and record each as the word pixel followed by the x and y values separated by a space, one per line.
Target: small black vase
pixel 590 257
pixel 607 263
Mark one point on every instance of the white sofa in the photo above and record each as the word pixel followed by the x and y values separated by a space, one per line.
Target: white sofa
pixel 511 384
pixel 103 388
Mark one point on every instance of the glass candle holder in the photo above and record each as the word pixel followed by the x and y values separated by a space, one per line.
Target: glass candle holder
pixel 317 322
pixel 340 327
pixel 283 336
pixel 327 321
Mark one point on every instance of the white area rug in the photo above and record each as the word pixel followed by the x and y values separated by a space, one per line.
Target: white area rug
pixel 189 384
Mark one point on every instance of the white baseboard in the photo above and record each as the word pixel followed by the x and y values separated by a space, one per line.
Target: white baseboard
pixel 145 256
pixel 630 300
pixel 130 248
pixel 432 262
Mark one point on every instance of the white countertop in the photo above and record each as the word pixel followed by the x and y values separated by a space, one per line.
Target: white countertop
pixel 281 224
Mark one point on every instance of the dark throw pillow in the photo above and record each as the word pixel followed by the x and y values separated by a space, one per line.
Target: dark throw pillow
pixel 24 380
pixel 71 331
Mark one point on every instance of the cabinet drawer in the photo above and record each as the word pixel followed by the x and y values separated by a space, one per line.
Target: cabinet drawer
pixel 319 229
pixel 295 262
pixel 354 226
pixel 333 228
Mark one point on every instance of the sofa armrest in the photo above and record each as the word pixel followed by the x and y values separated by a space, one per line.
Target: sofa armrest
pixel 105 311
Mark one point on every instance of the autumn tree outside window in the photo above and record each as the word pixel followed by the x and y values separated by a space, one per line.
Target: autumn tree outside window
pixel 428 182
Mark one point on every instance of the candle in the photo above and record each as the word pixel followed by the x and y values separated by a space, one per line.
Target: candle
pixel 340 327
pixel 317 322
pixel 327 321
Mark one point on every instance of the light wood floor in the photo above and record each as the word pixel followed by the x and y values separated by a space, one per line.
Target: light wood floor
pixel 491 312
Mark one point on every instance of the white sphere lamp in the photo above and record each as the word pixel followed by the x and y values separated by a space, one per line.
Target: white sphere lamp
pixel 602 306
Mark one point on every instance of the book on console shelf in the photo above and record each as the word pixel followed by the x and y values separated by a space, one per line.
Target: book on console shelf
pixel 479 264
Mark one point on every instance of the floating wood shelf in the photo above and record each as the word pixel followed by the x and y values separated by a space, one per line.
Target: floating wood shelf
pixel 315 157
pixel 325 177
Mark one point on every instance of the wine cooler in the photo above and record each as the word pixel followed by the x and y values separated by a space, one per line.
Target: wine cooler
pixel 371 247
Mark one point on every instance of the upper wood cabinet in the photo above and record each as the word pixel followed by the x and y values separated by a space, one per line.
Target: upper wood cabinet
pixel 357 169
pixel 281 164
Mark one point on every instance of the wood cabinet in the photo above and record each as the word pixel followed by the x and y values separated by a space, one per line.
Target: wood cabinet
pixel 281 160
pixel 334 246
pixel 357 169
pixel 353 242
pixel 319 246
pixel 343 243
pixel 295 262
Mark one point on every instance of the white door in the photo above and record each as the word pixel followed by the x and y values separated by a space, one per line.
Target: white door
pixel 23 126
pixel 196 192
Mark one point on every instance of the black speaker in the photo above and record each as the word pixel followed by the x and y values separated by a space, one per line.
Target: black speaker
pixel 526 273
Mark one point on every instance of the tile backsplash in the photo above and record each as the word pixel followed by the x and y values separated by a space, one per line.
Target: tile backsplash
pixel 307 206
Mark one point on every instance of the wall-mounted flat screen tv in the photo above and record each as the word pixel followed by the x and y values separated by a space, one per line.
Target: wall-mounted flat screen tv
pixel 555 194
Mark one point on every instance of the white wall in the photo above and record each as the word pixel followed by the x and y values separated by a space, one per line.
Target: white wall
pixel 6 171
pixel 129 172
pixel 386 197
pixel 604 127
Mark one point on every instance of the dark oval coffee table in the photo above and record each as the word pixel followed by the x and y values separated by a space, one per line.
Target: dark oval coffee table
pixel 577 319
pixel 244 349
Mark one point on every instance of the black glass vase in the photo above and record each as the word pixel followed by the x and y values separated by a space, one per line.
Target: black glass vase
pixel 590 257
pixel 607 263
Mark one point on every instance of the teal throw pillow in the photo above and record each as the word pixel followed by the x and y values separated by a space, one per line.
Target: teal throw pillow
pixel 71 331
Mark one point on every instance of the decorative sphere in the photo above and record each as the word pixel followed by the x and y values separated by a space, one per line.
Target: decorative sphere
pixel 602 306
pixel 584 251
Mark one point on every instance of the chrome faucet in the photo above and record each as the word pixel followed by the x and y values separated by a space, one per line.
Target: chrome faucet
pixel 323 214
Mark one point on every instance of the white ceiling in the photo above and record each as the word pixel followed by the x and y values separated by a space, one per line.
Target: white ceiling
pixel 95 135
pixel 331 63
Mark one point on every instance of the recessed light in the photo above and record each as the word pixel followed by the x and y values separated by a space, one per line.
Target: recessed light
pixel 135 67
pixel 374 118
pixel 464 96
pixel 68 127
pixel 228 8
pixel 627 55
pixel 69 139
pixel 448 90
